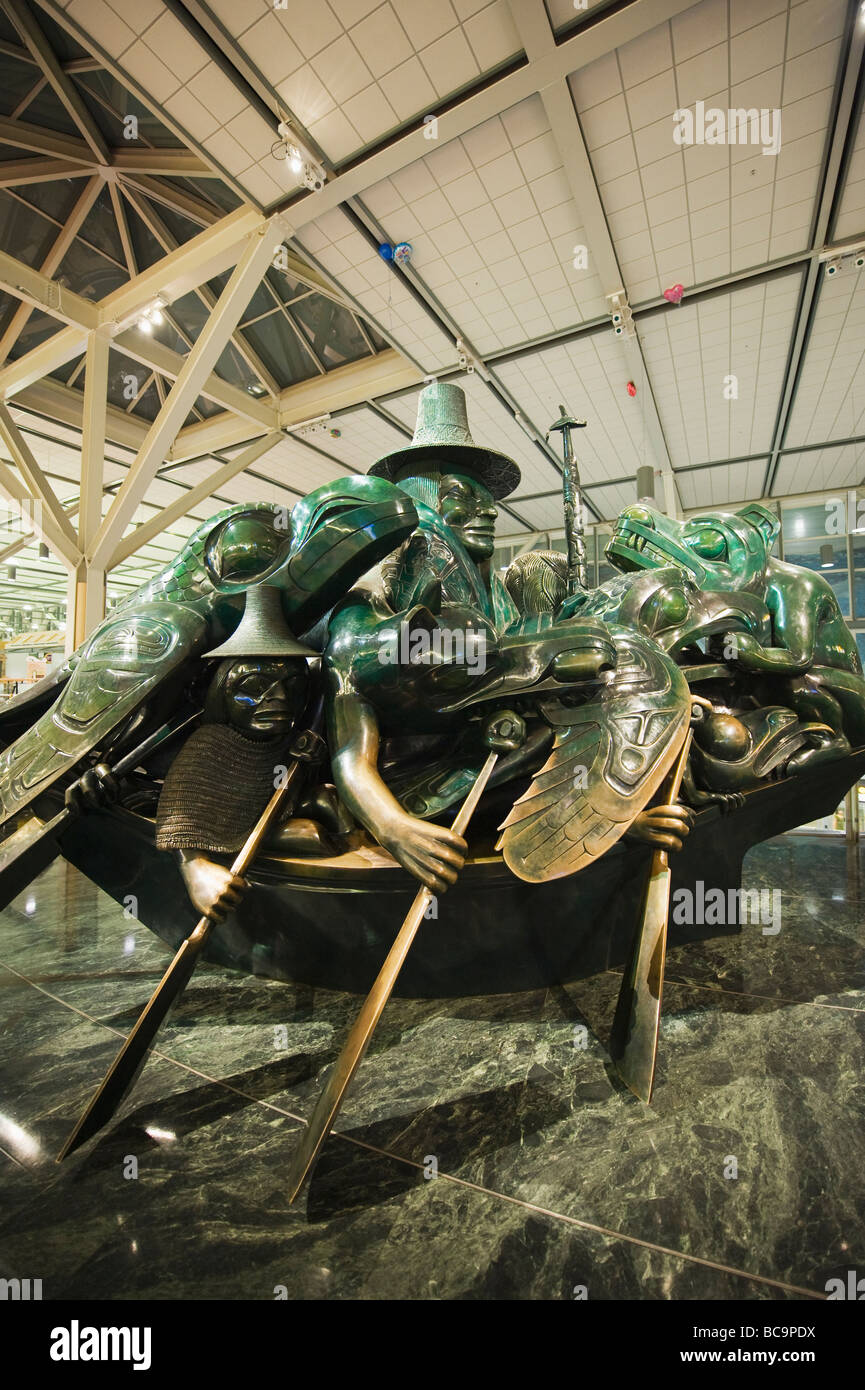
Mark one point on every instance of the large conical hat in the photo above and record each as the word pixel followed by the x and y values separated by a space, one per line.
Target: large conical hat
pixel 263 630
pixel 442 432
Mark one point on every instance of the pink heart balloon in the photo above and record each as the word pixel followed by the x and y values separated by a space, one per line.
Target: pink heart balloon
pixel 674 294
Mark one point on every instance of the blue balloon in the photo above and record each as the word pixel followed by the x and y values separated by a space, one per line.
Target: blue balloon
pixel 386 251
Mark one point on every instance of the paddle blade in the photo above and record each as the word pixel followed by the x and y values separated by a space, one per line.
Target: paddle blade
pixel 634 1039
pixel 26 852
pixel 136 1049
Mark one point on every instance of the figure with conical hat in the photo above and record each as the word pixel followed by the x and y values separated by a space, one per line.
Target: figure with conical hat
pixel 225 773
pixel 419 657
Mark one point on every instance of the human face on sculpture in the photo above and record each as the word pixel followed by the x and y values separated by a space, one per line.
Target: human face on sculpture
pixel 468 507
pixel 265 695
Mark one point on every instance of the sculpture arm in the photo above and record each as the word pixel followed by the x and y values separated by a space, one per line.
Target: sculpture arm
pixel 432 853
pixel 213 890
pixel 797 617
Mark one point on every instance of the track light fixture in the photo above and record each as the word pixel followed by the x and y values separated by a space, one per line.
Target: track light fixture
pixel 620 314
pixel 297 158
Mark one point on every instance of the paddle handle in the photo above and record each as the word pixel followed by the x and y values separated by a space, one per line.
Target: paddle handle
pixel 661 857
pixel 355 1046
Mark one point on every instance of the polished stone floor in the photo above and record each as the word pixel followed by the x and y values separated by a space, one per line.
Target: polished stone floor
pixel 744 1180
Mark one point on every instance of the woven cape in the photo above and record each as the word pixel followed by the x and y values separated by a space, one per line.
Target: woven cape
pixel 216 789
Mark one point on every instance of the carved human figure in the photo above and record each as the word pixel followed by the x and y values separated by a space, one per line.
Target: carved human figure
pixel 441 580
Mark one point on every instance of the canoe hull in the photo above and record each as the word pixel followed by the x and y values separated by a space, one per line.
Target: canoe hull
pixel 330 924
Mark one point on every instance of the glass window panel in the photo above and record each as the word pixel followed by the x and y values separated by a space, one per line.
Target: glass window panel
pixel 63 45
pixel 36 330
pixel 150 130
pixel 8 32
pixel 8 305
pixel 56 198
pixel 16 80
pixel 207 190
pixel 144 244
pixel 107 122
pixel 860 643
pixel 809 519
pixel 275 342
pixel 286 286
pixel 125 379
pixel 166 334
pixel 179 226
pixel 859 575
pixel 190 314
pixel 262 302
pixel 333 332
pixel 149 406
pixel 810 556
pixel 24 233
pixel 100 228
pixel 46 109
pixel 89 273
pixel 232 368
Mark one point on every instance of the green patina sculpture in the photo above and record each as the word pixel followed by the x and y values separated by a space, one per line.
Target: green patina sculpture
pixel 146 652
pixel 385 682
pixel 434 643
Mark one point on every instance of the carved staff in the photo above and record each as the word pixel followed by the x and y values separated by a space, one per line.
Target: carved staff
pixel 573 501
pixel 348 1061
pixel 123 1071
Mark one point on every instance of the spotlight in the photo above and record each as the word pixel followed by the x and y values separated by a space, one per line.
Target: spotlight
pixel 827 556
pixel 833 266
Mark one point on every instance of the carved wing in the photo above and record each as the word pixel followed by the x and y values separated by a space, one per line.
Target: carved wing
pixel 608 760
pixel 124 660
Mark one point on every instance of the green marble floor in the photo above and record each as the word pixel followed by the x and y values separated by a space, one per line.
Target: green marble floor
pixel 486 1152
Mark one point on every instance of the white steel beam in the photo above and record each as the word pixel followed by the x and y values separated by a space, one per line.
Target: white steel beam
pixel 58 250
pixel 176 163
pixel 348 385
pixel 43 141
pixel 87 584
pixel 61 403
pixel 25 22
pixel 202 358
pixel 179 508
pixel 203 257
pixel 151 353
pixel 532 24
pixel 33 477
pixel 178 199
pixel 43 524
pixel 42 292
pixel 17 172
pixel 211 437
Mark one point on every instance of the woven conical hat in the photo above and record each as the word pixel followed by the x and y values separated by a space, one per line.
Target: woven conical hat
pixel 442 432
pixel 263 630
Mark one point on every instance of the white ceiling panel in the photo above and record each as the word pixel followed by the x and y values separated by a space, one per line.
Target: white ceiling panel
pixel 363 437
pixel 693 212
pixel 494 230
pixel 842 467
pixel 721 487
pixel 830 394
pixel 698 355
pixel 352 71
pixel 589 378
pixel 336 244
